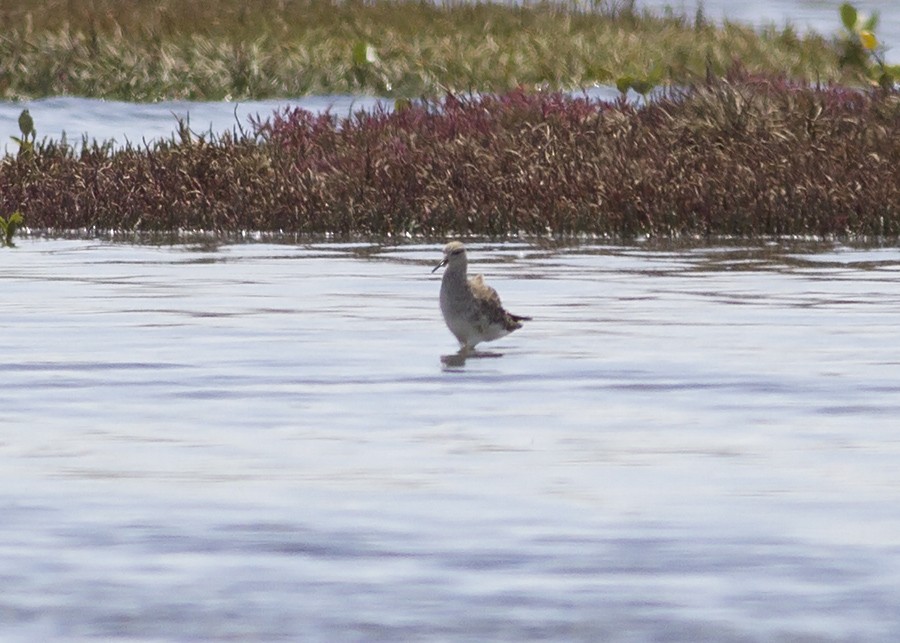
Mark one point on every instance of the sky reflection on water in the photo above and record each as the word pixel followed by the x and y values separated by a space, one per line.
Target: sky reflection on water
pixel 260 441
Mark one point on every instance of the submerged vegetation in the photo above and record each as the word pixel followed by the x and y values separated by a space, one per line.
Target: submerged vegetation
pixel 213 49
pixel 743 155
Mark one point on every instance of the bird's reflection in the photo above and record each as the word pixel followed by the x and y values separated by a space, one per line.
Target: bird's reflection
pixel 458 359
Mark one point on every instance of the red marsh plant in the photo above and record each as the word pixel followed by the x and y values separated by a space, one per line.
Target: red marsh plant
pixel 739 156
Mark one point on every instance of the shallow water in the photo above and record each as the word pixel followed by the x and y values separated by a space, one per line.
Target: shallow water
pixel 822 16
pixel 259 442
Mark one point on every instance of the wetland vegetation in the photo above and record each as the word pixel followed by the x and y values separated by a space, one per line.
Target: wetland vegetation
pixel 750 132
pixel 742 155
pixel 212 50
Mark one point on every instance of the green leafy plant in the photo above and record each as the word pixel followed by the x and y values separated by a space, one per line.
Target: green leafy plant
pixel 642 85
pixel 26 126
pixel 861 49
pixel 8 227
pixel 367 66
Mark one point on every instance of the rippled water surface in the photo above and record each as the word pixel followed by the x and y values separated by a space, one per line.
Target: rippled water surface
pixel 259 442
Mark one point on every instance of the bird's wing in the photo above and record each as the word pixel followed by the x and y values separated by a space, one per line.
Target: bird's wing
pixel 483 292
pixel 489 303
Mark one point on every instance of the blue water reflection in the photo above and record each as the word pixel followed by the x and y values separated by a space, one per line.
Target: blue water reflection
pixel 260 441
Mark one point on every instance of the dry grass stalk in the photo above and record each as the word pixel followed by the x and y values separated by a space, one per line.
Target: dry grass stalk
pixel 746 156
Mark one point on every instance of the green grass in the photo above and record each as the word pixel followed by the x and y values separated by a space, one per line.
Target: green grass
pixel 213 49
pixel 8 228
